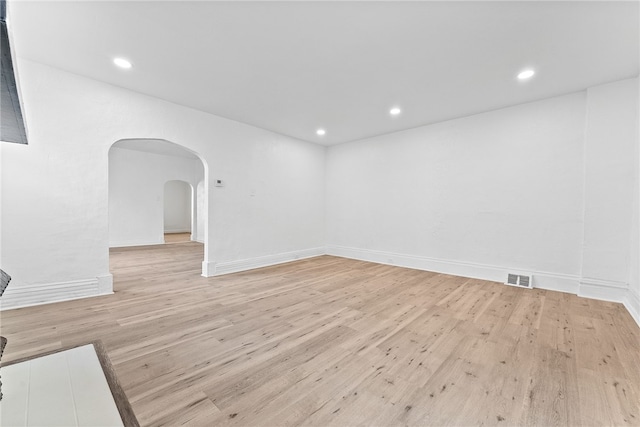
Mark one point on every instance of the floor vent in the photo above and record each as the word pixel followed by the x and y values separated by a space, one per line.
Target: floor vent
pixel 520 280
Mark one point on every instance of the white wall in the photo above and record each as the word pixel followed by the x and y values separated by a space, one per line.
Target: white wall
pixel 136 195
pixel 532 187
pixel 200 212
pixel 474 196
pixel 55 225
pixel 177 207
pixel 632 301
pixel 546 187
pixel 610 190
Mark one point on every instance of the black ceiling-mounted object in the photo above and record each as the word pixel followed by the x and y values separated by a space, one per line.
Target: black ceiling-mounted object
pixel 12 127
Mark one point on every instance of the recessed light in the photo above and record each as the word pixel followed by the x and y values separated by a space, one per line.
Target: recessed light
pixel 321 132
pixel 395 111
pixel 526 74
pixel 122 63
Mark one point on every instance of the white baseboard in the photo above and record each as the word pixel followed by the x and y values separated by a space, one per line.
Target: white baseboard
pixel 105 284
pixel 556 282
pixel 544 280
pixel 17 295
pixel 177 230
pixel 126 244
pixel 603 290
pixel 583 287
pixel 25 295
pixel 632 304
pixel 210 269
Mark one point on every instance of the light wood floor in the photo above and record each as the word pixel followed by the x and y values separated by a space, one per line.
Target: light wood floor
pixel 331 341
pixel 177 237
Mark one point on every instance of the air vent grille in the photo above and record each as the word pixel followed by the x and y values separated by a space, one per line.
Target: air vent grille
pixel 520 280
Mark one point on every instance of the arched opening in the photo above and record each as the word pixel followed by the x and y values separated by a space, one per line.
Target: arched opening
pixel 156 189
pixel 180 217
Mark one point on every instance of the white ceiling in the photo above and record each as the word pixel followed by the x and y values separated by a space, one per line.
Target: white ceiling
pixel 292 67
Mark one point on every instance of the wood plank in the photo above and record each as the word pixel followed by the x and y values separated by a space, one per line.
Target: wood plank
pixel 333 341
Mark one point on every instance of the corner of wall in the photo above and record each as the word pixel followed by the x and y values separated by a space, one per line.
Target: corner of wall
pixel 208 269
pixel 632 304
pixel 105 284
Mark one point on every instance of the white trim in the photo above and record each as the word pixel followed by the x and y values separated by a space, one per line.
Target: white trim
pixel 210 269
pixel 603 289
pixel 177 230
pixel 541 279
pixel 26 295
pixel 556 282
pixel 632 304
pixel 17 296
pixel 125 244
pixel 583 287
pixel 105 284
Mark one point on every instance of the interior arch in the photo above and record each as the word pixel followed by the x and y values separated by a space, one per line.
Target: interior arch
pixel 139 170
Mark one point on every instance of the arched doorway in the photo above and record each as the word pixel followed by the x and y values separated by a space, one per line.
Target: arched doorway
pixel 180 217
pixel 143 175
